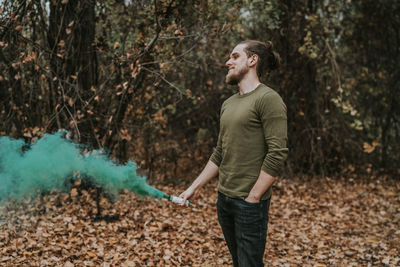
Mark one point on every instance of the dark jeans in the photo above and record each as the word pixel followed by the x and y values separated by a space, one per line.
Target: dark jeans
pixel 245 229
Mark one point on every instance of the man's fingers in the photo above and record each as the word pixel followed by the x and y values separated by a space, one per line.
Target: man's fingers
pixel 184 200
pixel 188 194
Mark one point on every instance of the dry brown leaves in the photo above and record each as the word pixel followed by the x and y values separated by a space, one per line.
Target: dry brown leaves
pixel 318 223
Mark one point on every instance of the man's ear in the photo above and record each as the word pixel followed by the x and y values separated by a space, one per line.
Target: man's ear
pixel 253 60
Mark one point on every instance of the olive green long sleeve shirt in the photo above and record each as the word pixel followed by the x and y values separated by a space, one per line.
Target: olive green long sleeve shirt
pixel 252 137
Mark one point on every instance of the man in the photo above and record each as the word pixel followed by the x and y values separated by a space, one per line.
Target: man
pixel 250 152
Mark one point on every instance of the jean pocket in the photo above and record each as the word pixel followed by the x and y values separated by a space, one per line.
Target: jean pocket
pixel 250 204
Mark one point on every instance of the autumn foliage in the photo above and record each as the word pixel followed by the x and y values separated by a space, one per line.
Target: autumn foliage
pixel 145 79
pixel 313 223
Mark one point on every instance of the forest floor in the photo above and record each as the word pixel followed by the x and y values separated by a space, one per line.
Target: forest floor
pixel 325 222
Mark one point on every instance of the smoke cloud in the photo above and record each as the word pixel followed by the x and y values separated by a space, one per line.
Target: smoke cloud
pixel 48 164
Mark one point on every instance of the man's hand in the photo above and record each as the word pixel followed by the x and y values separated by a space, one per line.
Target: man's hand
pixel 189 193
pixel 262 184
pixel 209 172
pixel 252 199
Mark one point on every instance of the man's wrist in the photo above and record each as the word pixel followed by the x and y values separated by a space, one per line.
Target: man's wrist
pixel 253 198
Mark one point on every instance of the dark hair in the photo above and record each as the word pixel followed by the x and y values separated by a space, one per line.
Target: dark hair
pixel 268 59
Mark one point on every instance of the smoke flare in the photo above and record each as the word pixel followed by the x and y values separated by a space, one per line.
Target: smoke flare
pixel 52 160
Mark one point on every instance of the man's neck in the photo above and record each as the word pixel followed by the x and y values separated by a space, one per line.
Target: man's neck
pixel 248 84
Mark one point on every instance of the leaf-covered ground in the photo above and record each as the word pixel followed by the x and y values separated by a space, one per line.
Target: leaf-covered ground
pixel 323 222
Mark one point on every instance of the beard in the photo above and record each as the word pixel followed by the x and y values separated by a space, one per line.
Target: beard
pixel 235 78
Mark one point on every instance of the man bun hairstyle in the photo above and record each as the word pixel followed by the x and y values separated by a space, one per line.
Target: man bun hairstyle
pixel 268 58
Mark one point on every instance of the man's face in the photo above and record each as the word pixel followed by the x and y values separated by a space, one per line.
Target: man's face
pixel 238 65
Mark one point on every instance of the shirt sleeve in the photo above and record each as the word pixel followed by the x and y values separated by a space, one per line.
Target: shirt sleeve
pixel 272 111
pixel 216 156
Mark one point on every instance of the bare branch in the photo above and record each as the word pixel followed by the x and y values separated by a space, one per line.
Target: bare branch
pixel 165 80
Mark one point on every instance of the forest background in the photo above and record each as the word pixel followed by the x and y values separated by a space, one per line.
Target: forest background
pixel 145 79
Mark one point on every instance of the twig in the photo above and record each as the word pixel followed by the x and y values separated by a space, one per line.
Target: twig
pixel 334 62
pixel 165 80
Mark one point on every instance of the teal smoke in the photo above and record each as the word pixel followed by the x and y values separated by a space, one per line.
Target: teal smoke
pixel 48 164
